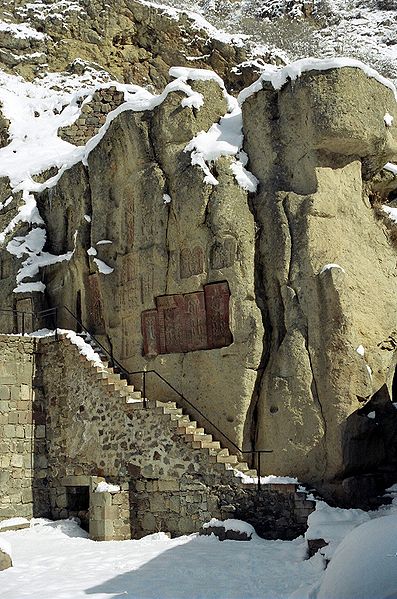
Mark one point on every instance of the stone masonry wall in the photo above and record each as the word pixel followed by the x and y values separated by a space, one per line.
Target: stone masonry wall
pixel 93 116
pixel 172 486
pixel 22 432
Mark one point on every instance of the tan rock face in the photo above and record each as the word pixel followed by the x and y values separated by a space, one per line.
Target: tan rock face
pixel 199 243
pixel 301 273
pixel 313 213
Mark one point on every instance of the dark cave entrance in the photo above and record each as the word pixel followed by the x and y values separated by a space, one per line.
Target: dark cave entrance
pixel 78 504
pixel 370 448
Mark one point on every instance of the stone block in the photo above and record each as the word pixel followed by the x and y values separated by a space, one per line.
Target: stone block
pixel 27 496
pixel 24 417
pixel 149 523
pixel 25 393
pixel 17 461
pixel 168 485
pixel 19 431
pixel 5 395
pixel 12 417
pixel 40 431
pixel 158 503
pixel 102 500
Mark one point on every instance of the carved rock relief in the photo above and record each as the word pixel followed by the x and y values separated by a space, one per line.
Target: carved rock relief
pixel 188 322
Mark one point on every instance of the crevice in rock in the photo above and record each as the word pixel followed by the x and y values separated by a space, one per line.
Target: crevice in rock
pixel 251 425
pixel 88 210
pixel 305 328
pixel 167 244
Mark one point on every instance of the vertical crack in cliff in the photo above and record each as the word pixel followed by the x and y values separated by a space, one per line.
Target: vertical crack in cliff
pixel 251 424
pixel 167 243
pixel 88 209
pixel 152 144
pixel 305 331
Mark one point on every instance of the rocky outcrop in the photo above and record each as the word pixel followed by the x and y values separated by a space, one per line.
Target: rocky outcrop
pixel 119 39
pixel 325 265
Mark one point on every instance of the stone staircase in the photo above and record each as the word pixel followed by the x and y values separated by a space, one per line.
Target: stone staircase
pixel 195 436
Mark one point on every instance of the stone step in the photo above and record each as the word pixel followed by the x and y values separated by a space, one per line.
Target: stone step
pixel 182 420
pixel 190 430
pixel 169 411
pixel 132 396
pixel 120 384
pixel 251 473
pixel 129 391
pixel 242 466
pixel 131 406
pixel 224 459
pixel 165 404
pixel 210 445
pixel 197 437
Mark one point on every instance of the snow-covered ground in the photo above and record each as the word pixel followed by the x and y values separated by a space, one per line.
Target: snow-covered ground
pixel 56 560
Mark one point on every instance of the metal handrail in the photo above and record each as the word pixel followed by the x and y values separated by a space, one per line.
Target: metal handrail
pixel 144 374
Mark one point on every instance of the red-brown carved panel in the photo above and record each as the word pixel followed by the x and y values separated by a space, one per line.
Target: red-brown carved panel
pixel 183 323
pixel 217 297
pixel 150 332
pixel 95 304
pixel 195 321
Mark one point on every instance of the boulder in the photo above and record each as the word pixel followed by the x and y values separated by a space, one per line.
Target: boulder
pixel 5 556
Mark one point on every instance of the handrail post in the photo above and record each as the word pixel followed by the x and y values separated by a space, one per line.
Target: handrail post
pixel 259 471
pixel 56 323
pixel 144 389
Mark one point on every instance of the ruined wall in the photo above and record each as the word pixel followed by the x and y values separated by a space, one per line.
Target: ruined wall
pixel 171 486
pixel 23 461
pixel 92 116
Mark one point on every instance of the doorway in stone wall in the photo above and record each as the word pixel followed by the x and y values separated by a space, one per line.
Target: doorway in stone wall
pixel 78 504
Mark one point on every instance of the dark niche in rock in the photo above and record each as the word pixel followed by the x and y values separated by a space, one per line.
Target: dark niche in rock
pixel 188 322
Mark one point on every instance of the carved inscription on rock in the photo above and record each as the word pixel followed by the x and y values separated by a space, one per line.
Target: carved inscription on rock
pixel 128 348
pixel 217 301
pixel 188 322
pixel 223 253
pixel 191 262
pixel 150 331
pixel 95 303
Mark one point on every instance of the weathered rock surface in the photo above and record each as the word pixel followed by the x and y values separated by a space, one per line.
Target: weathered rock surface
pixel 5 560
pixel 204 235
pixel 252 306
pixel 325 265
pixel 132 42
